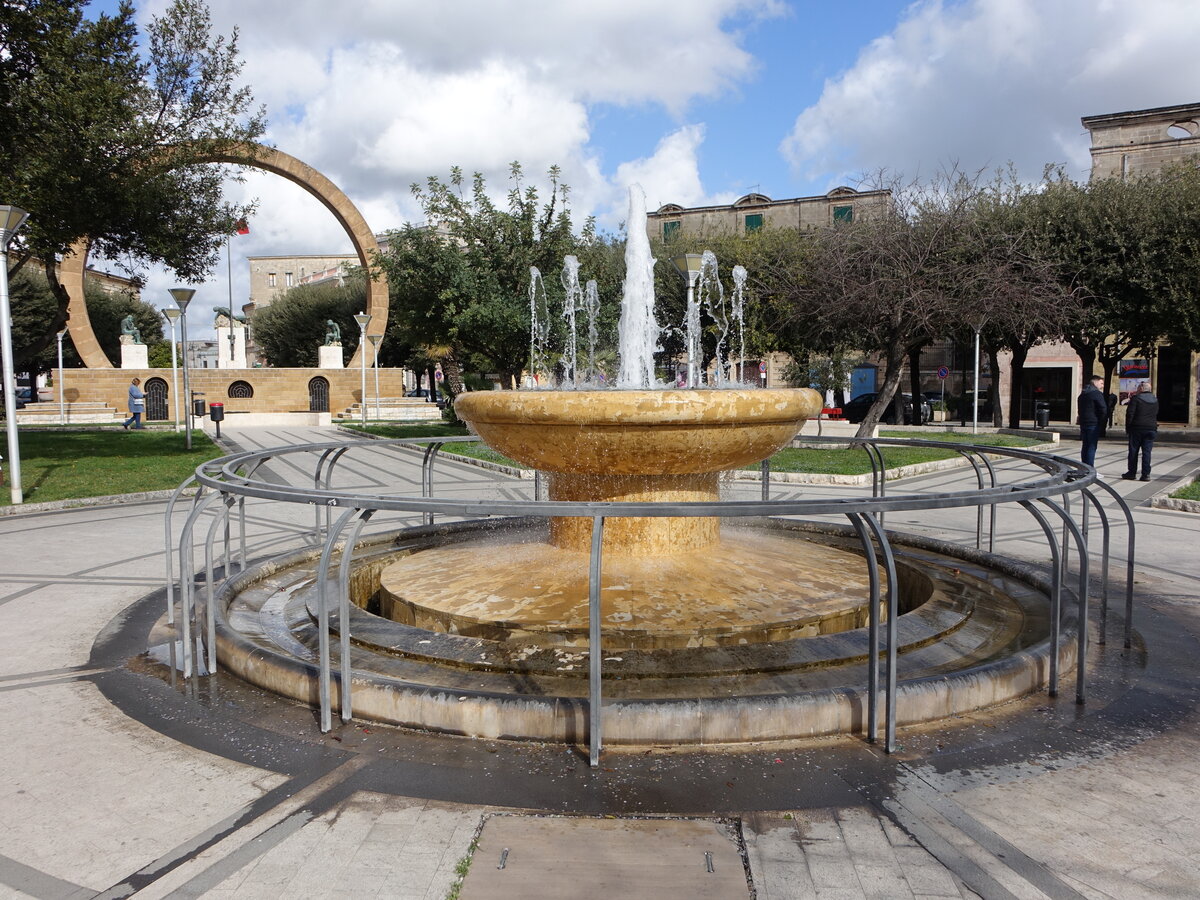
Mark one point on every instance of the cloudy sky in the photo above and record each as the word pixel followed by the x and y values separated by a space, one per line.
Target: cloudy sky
pixel 699 102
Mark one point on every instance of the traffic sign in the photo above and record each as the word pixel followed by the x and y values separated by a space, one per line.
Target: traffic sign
pixel 943 372
pixel 762 367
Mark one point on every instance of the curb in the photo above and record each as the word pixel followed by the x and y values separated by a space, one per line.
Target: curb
pixel 1164 500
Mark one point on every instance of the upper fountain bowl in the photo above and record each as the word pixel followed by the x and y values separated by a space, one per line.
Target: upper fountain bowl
pixel 638 432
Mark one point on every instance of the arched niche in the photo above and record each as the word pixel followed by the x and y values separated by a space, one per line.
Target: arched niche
pixel 268 159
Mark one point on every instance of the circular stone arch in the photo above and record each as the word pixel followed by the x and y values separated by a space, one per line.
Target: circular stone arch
pixel 268 159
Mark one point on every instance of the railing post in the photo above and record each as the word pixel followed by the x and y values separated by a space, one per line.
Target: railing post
pixel 344 610
pixel 595 643
pixel 889 565
pixel 872 626
pixel 323 620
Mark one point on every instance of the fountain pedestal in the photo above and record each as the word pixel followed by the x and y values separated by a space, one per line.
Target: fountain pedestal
pixel 634 446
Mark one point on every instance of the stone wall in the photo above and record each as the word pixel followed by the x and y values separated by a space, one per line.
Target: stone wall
pixel 275 390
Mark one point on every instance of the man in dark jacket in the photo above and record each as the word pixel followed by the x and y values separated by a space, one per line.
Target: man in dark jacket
pixel 1141 424
pixel 1093 410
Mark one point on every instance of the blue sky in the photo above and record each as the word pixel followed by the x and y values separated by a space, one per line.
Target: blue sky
pixel 698 102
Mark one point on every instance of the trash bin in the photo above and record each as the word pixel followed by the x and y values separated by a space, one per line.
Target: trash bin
pixel 198 407
pixel 1041 414
pixel 216 411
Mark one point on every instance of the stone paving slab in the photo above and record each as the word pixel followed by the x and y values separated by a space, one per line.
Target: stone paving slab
pixel 96 803
pixel 532 857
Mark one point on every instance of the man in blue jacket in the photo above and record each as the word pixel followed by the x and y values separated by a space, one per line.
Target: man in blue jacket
pixel 1141 425
pixel 1093 410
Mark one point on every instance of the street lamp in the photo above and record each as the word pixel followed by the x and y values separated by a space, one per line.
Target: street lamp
pixel 172 317
pixel 375 340
pixel 182 297
pixel 689 266
pixel 62 406
pixel 11 220
pixel 362 319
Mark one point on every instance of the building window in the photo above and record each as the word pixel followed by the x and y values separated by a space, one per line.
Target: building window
pixel 288 278
pixel 240 390
pixel 753 222
pixel 843 214
pixel 270 279
pixel 670 229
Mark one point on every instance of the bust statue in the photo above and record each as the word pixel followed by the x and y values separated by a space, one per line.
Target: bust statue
pixel 129 329
pixel 333 334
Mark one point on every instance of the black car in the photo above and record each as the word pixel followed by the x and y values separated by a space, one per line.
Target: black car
pixel 856 410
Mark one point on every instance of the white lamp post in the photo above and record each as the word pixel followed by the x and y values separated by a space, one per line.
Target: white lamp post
pixel 362 319
pixel 62 406
pixel 689 266
pixel 172 316
pixel 11 219
pixel 182 297
pixel 375 340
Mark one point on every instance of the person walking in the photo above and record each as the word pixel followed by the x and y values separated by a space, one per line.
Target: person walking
pixel 1141 425
pixel 1093 410
pixel 137 404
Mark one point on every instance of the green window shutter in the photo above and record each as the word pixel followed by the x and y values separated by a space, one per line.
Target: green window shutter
pixel 843 214
pixel 670 229
pixel 754 222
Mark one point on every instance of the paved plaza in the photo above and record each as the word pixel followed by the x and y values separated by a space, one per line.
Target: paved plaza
pixel 116 781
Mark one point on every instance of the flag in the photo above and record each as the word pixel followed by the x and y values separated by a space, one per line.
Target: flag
pixel 242 226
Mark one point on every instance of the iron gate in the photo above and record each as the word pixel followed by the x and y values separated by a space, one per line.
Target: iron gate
pixel 318 395
pixel 157 408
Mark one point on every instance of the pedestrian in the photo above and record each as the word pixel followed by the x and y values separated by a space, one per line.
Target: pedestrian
pixel 137 403
pixel 1093 410
pixel 1141 424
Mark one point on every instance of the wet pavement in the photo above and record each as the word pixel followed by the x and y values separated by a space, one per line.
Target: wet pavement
pixel 120 780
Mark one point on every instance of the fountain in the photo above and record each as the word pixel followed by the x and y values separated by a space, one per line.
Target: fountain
pixel 635 443
pixel 498 624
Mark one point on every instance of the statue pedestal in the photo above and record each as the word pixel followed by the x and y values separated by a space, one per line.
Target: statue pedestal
pixel 330 357
pixel 238 360
pixel 134 356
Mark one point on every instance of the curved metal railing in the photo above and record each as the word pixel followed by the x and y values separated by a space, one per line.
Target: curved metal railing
pixel 235 477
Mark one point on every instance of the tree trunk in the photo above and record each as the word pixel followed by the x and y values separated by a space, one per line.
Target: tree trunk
pixel 891 380
pixel 453 374
pixel 914 380
pixel 993 356
pixel 1087 356
pixel 1019 355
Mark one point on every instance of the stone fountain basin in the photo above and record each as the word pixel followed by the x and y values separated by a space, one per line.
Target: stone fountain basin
pixel 638 432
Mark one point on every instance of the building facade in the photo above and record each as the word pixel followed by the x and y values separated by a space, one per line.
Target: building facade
pixel 272 276
pixel 1144 141
pixel 755 211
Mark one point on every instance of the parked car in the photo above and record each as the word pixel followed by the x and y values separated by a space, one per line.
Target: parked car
pixel 856 410
pixel 44 394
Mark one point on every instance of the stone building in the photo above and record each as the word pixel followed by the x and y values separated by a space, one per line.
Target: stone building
pixel 755 211
pixel 1125 145
pixel 271 276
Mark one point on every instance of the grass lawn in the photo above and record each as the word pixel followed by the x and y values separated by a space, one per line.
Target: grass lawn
pixel 831 461
pixel 1188 492
pixel 413 430
pixel 62 465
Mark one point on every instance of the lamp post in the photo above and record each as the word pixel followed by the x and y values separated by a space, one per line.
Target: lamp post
pixel 62 406
pixel 172 316
pixel 375 340
pixel 182 297
pixel 11 219
pixel 689 266
pixel 362 319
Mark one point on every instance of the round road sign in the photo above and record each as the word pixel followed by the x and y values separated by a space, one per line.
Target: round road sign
pixel 943 372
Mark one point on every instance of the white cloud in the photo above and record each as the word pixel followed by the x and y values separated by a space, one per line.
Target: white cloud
pixel 984 82
pixel 387 92
pixel 672 173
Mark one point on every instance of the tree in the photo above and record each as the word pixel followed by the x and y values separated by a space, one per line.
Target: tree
pixel 1130 250
pixel 97 142
pixel 463 282
pixel 291 328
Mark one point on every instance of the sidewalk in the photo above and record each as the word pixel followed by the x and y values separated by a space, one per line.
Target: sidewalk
pixel 116 782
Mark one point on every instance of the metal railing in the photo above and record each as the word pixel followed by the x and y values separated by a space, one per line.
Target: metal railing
pixel 233 478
